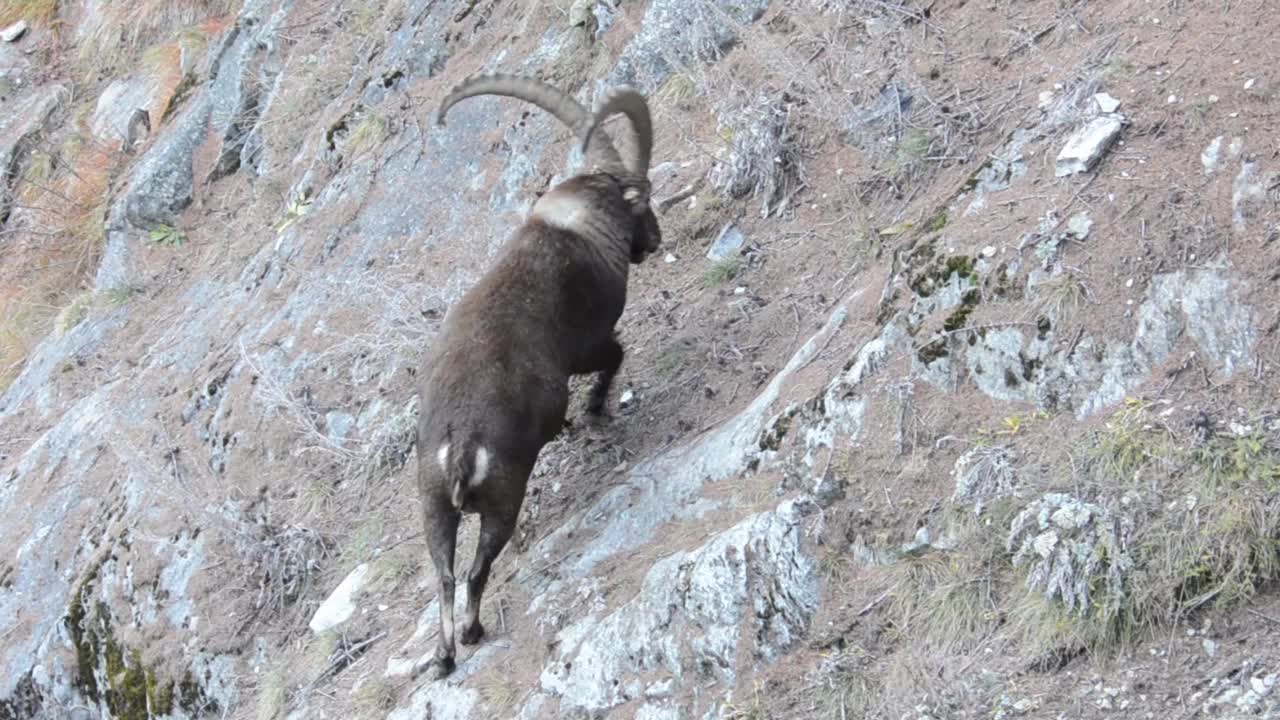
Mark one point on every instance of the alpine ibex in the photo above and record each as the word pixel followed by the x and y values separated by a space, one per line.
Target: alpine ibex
pixel 495 384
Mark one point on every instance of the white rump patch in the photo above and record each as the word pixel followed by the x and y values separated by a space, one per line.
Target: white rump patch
pixel 442 456
pixel 482 467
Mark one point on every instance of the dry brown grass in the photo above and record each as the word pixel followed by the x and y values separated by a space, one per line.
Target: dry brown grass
pixel 55 251
pixel 33 11
pixel 114 37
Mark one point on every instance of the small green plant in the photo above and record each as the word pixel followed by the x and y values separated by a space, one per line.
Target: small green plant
pixel 721 272
pixel 117 295
pixel 167 236
pixel 670 359
pixel 912 148
pixel 298 207
pixel 1196 112
pixel 1118 66
pixel 937 222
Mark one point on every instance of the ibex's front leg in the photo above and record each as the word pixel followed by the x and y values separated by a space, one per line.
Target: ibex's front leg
pixel 606 359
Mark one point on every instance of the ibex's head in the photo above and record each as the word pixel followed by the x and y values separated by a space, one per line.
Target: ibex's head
pixel 600 157
pixel 646 235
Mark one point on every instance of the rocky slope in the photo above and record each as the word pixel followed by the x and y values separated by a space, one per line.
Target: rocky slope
pixel 951 395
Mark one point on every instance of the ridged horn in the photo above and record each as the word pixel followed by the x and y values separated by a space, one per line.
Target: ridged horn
pixel 549 98
pixel 629 102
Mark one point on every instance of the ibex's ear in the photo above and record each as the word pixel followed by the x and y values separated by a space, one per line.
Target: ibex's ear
pixel 635 197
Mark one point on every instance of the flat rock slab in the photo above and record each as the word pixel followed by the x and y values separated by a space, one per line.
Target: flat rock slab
pixel 1087 145
pixel 14 32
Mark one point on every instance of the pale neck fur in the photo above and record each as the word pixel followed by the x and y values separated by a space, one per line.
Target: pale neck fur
pixel 608 243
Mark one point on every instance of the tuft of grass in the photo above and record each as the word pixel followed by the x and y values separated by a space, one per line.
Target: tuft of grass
pixel 1060 296
pixel 392 569
pixel 273 696
pixel 167 236
pixel 35 12
pixel 74 312
pixel 942 598
pixel 315 658
pixel 376 696
pixel 721 272
pixel 498 693
pixel 753 708
pixel 676 91
pixel 367 134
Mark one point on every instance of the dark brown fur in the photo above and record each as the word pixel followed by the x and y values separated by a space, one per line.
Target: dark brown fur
pixel 495 386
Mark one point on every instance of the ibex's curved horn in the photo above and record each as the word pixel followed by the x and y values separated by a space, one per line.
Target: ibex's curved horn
pixel 549 98
pixel 629 102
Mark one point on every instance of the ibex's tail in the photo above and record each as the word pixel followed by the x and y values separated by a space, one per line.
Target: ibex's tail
pixel 465 464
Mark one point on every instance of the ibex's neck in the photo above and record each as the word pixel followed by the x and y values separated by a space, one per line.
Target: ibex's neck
pixel 604 236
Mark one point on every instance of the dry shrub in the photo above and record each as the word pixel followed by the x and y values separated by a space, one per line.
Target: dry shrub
pixel 764 151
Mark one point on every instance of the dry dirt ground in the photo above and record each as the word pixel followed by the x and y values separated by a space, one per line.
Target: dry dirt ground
pixel 704 338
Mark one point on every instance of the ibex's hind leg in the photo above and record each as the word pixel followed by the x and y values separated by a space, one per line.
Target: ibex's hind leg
pixel 495 531
pixel 607 359
pixel 441 521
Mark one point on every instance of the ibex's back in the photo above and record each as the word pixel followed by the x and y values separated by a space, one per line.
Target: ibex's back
pixel 495 387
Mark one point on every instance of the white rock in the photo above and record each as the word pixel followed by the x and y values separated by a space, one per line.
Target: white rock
pixel 1248 84
pixel 14 31
pixel 1210 647
pixel 626 398
pixel 740 290
pixel 1088 144
pixel 1080 224
pixel 1046 98
pixel 1106 103
pixel 989 251
pixel 669 258
pixel 1211 155
pixel 338 607
pixel 1172 99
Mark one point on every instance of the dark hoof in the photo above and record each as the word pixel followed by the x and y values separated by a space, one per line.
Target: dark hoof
pixel 471 634
pixel 438 668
